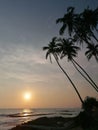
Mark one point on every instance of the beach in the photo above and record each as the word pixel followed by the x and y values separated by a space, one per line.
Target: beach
pixel 80 122
pixel 42 119
pixel 49 123
pixel 10 118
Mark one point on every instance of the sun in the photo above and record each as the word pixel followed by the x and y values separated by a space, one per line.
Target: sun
pixel 27 96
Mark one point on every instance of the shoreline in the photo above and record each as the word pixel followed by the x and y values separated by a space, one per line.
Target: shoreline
pixel 82 120
pixel 49 123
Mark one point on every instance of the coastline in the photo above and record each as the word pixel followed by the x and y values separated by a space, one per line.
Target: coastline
pixel 11 118
pixel 79 122
pixel 50 123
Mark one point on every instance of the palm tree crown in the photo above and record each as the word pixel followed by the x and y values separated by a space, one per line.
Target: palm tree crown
pixel 92 51
pixel 90 18
pixel 82 25
pixel 68 21
pixel 67 48
pixel 51 49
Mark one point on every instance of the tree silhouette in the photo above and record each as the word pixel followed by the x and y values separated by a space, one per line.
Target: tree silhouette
pixel 89 103
pixel 82 29
pixel 92 51
pixel 53 50
pixel 68 21
pixel 67 48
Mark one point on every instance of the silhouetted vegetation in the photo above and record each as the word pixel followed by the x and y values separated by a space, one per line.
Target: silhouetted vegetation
pixel 81 29
pixel 52 49
pixel 89 117
pixel 89 104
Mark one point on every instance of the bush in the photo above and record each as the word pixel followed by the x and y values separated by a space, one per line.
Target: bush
pixel 89 104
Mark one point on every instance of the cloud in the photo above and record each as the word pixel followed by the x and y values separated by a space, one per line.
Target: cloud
pixel 25 64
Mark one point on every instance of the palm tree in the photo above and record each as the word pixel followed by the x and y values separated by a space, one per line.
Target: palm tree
pixel 90 21
pixel 86 26
pixel 52 49
pixel 68 21
pixel 67 48
pixel 92 51
pixel 82 25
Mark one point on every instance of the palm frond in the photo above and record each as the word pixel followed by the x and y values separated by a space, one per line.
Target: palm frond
pixel 50 58
pixel 47 54
pixel 62 29
pixel 89 56
pixel 45 48
pixel 96 57
pixel 59 20
pixel 70 9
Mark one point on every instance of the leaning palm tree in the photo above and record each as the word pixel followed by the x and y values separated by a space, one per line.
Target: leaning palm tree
pixel 81 28
pixel 82 25
pixel 67 48
pixel 86 26
pixel 53 50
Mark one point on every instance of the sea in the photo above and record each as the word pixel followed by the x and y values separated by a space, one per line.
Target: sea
pixel 9 118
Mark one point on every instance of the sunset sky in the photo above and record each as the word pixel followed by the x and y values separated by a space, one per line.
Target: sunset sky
pixel 27 79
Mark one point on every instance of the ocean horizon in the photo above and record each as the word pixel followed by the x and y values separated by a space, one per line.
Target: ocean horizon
pixel 10 117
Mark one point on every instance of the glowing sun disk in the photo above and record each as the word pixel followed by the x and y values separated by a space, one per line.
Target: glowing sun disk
pixel 27 96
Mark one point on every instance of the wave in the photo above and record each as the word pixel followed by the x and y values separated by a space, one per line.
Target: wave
pixel 25 114
pixel 11 117
pixel 37 113
pixel 3 115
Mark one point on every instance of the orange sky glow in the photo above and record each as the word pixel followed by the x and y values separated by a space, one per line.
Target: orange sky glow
pixel 27 79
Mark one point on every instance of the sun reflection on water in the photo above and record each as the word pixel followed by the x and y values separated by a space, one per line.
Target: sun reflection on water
pixel 26 114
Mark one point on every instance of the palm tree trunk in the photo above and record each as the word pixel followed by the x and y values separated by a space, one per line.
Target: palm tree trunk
pixel 69 79
pixel 86 74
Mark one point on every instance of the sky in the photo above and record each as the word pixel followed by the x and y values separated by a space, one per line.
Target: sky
pixel 25 27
